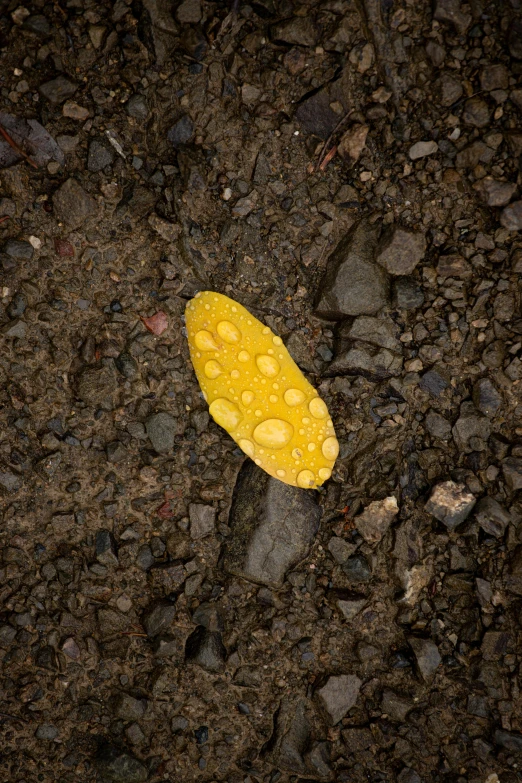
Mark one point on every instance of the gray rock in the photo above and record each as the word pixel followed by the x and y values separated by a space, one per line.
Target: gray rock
pixel 400 249
pixel 509 740
pixel 127 707
pixel 293 723
pixel 7 207
pixel 116 451
pixel 495 193
pixel 164 646
pixel 209 616
pixel 273 526
pixel 511 216
pixel 117 766
pixel 408 775
pixel 181 132
pixel 376 518
pixel 407 293
pixel 372 363
pixel 450 503
pixel 449 89
pixel 427 657
pixel 17 248
pixel 202 520
pixel 486 397
pixel 72 205
pixel 434 382
pixel 14 329
pixel 438 426
pixel 348 605
pixel 395 706
pixel 316 116
pixel 381 332
pixel 206 649
pixel 476 113
pixel 100 155
pixel 134 734
pixel 189 12
pixel 353 284
pixel 340 549
pixel 145 559
pixel 137 107
pixel 162 429
pixel 512 470
pixel 58 90
pixel 46 731
pixel 471 428
pixel 450 11
pixel 357 569
pixel 421 149
pixel 515 38
pixel 158 618
pixel 7 636
pixel 299 349
pixel 127 366
pixel 338 696
pixel 106 548
pixel 299 30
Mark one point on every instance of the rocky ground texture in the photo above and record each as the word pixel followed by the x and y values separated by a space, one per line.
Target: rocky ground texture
pixel 351 172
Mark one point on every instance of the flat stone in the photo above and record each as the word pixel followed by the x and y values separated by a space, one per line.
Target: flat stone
pixel 348 605
pixel 494 77
pixel 515 38
pixel 106 548
pixel 509 740
pixel 9 481
pixel 427 657
pixel 157 619
pixel 357 569
pixel 206 649
pixel 512 470
pixel 181 132
pixel 116 451
pixel 97 386
pixel 395 706
pixel 450 503
pixel 189 12
pixel 438 426
pixel 14 329
pixel 511 216
pixel 340 549
pixel 72 205
pixel 273 527
pixel 450 11
pixel 422 149
pixel 19 248
pixel 476 113
pixel 58 90
pixel 137 107
pixel 486 397
pixel 338 696
pixel 407 293
pixel 162 429
pixel 128 708
pixel 74 112
pixel 470 427
pixel 494 192
pixel 449 89
pixel 299 30
pixel 46 731
pixel 381 332
pixel 202 520
pixel 117 766
pixel 293 722
pixel 100 156
pixel 372 363
pixel 353 284
pixel 492 517
pixel 376 518
pixel 400 250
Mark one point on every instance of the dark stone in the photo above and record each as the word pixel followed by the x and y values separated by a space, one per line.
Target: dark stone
pixel 206 649
pixel 338 696
pixel 97 386
pixel 9 481
pixel 106 548
pixel 357 569
pixel 273 526
pixel 202 520
pixel 181 132
pixel 137 107
pixel 158 618
pixel 512 470
pixel 20 249
pixel 38 24
pixel 515 38
pixel 407 293
pixel 72 205
pixel 46 731
pixel 450 503
pixel 315 115
pixel 492 517
pixel 395 706
pixel 427 657
pixel 486 397
pixel 127 365
pixel 508 740
pixel 292 728
pixel 353 283
pixel 58 90
pixel 116 451
pixel 145 559
pixel 450 11
pixel 400 250
pixel 434 382
pixel 162 429
pixel 128 708
pixel 299 30
pixel 100 155
pixel 118 766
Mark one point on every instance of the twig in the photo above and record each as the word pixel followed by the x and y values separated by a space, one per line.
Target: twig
pixel 3 219
pixel 17 147
pixel 330 137
pixel 327 158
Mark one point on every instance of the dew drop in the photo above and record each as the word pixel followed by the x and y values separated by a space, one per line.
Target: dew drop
pixel 207 307
pixel 247 446
pixel 257 461
pixel 247 397
pixel 267 365
pixel 235 374
pixel 305 420
pixel 329 423
pixel 273 398
pixel 318 408
pixel 212 369
pixel 277 340
pixel 294 397
pixel 311 447
pixel 205 341
pixel 258 413
pixel 324 473
pixel 228 332
pixel 243 356
pixel 330 448
pixel 297 454
pixel 273 433
pixel 281 473
pixel 225 413
pixel 305 479
pixel 266 330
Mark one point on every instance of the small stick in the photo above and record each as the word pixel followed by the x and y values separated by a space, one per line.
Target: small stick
pixel 330 137
pixel 17 147
pixel 327 158
pixel 3 219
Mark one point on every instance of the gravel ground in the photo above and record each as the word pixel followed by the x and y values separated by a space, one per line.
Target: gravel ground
pixel 351 173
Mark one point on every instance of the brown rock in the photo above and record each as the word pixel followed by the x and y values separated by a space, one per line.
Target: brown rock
pixel 494 192
pixel 511 216
pixel 353 141
pixel 400 250
pixel 476 113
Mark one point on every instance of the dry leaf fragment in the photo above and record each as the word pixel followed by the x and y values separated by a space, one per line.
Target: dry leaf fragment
pixel 156 323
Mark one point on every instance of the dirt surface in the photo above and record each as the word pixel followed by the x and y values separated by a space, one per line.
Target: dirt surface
pixel 351 172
